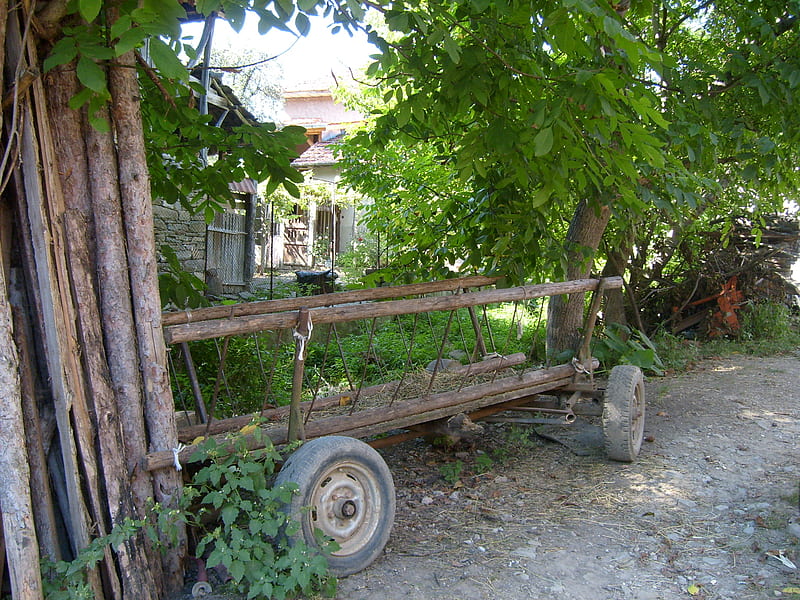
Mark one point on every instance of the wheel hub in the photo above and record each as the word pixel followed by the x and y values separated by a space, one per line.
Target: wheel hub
pixel 345 509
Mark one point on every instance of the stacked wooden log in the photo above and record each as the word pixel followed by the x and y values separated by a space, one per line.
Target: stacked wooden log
pixel 82 359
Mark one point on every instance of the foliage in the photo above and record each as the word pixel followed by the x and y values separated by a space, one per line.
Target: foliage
pixel 177 134
pixel 451 471
pixel 66 580
pixel 619 344
pixel 682 115
pixel 527 114
pixel 179 288
pixel 362 254
pixel 253 539
pixel 767 320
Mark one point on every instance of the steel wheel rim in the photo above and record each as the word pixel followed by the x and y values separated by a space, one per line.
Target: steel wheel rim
pixel 346 505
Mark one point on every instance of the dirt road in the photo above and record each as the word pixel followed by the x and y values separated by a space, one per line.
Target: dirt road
pixel 710 509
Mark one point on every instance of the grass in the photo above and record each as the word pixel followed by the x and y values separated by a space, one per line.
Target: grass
pixel 360 352
pixel 382 350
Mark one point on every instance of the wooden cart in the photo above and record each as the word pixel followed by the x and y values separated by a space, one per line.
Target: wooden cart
pixel 342 478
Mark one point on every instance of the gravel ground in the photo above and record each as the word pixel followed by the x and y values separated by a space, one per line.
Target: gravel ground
pixel 709 510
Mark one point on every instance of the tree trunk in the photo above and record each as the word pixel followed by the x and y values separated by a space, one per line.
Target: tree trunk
pixel 565 314
pixel 617 256
pixel 137 207
pixel 21 543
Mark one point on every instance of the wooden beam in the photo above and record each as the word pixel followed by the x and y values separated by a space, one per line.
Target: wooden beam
pixel 409 412
pixel 340 314
pixel 187 434
pixel 284 304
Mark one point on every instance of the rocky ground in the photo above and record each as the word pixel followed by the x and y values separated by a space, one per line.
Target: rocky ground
pixel 710 509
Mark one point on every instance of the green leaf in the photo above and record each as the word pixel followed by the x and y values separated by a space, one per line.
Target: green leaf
pixel 130 39
pixel 237 570
pixel 91 75
pixel 229 514
pixel 302 24
pixel 543 142
pixel 63 52
pixel 166 61
pixel 452 48
pixel 89 9
pixel 542 196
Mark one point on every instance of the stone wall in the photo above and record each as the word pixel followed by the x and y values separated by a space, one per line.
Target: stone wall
pixel 184 232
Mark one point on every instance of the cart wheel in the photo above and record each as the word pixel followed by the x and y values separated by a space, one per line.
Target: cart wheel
pixel 623 413
pixel 346 491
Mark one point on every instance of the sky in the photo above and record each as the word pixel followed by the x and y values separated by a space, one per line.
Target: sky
pixel 308 58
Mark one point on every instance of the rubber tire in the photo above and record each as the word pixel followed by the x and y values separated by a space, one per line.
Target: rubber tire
pixel 360 474
pixel 624 413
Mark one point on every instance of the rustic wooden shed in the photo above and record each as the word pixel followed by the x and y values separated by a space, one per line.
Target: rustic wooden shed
pixel 84 392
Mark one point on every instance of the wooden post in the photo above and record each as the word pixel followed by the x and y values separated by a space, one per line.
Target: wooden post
pixel 302 333
pixel 339 314
pixel 594 308
pixel 22 549
pixel 137 206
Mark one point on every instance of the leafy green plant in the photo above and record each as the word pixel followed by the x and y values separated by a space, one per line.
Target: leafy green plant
pixel 254 538
pixel 178 287
pixel 483 463
pixel 676 352
pixel 451 471
pixel 66 580
pixel 519 438
pixel 766 320
pixel 623 345
pixel 362 254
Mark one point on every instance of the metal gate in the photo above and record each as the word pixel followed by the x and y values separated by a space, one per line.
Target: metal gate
pixel 226 248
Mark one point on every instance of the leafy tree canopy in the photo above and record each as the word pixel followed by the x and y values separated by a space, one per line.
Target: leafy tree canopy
pixel 514 111
pixel 680 108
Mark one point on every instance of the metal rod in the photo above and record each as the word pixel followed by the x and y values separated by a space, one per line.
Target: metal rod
pixel 199 403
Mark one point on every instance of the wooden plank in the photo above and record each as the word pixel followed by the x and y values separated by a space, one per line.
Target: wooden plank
pixel 340 314
pixel 282 305
pixel 187 434
pixel 376 420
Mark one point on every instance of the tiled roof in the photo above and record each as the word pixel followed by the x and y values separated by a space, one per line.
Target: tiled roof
pixel 319 154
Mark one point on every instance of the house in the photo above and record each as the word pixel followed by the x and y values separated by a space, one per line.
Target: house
pixel 327 225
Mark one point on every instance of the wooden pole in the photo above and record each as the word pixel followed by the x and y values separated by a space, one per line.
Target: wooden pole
pixel 273 306
pixel 19 536
pixel 142 266
pixel 187 434
pixel 302 333
pixel 22 549
pixel 43 509
pixel 339 314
